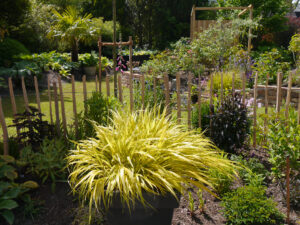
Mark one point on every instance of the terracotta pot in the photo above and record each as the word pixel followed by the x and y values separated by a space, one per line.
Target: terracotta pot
pixel 160 214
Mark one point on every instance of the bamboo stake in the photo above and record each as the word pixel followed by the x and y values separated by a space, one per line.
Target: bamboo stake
pixel 62 102
pixel 107 85
pixel 4 129
pixel 143 90
pixel 288 100
pixel 189 99
pixel 222 88
pixel 96 82
pixel 266 105
pixel 178 98
pixel 50 103
pixel 56 108
pixel 131 74
pixel 100 63
pixel 37 93
pixel 254 111
pixel 244 88
pixel 120 88
pixel 25 94
pixel 278 97
pixel 288 189
pixel 84 93
pixel 167 92
pixel 74 106
pixel 199 101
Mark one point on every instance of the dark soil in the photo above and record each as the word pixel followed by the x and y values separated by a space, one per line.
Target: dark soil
pixel 57 207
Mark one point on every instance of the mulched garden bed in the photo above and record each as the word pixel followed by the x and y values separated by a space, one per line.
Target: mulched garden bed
pixel 61 207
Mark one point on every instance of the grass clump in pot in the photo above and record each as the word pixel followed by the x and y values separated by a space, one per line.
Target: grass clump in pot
pixel 143 151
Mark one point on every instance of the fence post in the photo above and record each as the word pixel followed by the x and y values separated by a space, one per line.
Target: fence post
pixel 142 80
pixel 100 63
pixel 37 93
pixel 96 82
pixel 154 88
pixel 56 108
pixel 167 92
pixel 120 88
pixel 178 97
pixel 254 110
pixel 84 93
pixel 299 108
pixel 13 101
pixel 278 96
pixel 107 85
pixel 288 96
pixel 25 94
pixel 266 105
pixel 222 88
pixel 74 106
pixel 62 102
pixel 4 129
pixel 189 99
pixel 131 74
pixel 211 101
pixel 49 96
pixel 233 80
pixel 244 87
pixel 199 101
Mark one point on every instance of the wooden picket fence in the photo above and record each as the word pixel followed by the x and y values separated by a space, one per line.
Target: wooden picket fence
pixel 57 97
pixel 57 87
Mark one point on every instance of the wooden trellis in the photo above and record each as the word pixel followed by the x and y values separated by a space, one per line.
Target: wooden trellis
pixel 197 26
pixel 130 44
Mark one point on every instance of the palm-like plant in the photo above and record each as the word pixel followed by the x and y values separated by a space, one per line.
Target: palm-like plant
pixel 71 28
pixel 141 152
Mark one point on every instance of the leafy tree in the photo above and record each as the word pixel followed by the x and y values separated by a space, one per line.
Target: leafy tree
pixel 272 13
pixel 12 13
pixel 71 28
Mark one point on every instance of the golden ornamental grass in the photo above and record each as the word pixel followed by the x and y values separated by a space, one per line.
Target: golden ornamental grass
pixel 142 152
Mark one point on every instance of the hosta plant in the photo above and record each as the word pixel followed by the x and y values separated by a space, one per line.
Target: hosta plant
pixel 143 151
pixel 10 191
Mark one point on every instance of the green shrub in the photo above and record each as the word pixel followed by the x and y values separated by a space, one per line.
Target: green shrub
pixel 10 191
pixel 227 81
pixel 283 139
pixel 251 170
pixel 222 182
pixel 140 152
pixel 230 123
pixel 270 62
pixel 249 205
pixel 9 49
pixel 98 110
pixel 204 116
pixel 47 163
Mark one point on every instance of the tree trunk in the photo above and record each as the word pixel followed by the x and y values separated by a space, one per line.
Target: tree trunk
pixel 74 53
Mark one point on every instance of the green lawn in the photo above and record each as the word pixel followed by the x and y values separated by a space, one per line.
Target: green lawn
pixel 67 91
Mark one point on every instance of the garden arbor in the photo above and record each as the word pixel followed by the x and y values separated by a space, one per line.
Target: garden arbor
pixel 197 26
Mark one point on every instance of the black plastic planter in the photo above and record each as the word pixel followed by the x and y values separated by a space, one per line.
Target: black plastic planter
pixel 160 214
